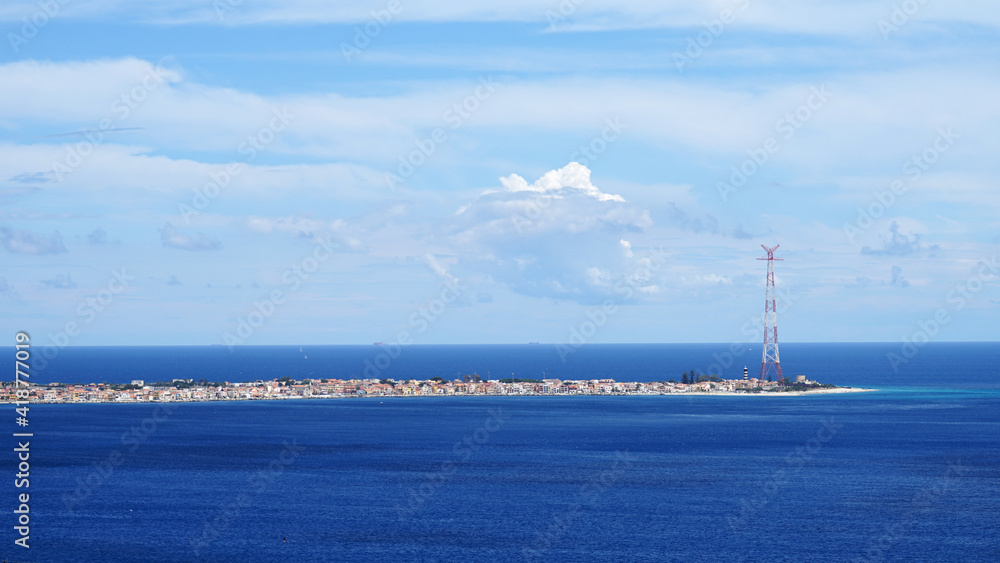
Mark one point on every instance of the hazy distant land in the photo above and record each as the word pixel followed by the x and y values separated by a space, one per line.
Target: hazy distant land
pixel 188 390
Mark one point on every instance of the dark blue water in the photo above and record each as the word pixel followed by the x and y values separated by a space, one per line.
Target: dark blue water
pixel 909 473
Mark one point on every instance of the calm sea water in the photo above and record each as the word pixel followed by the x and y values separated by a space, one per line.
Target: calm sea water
pixel 908 473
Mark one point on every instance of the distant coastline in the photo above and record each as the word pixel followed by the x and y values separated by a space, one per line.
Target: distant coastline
pixel 187 390
pixel 788 393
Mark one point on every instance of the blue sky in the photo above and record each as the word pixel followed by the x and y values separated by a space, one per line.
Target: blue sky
pixel 287 172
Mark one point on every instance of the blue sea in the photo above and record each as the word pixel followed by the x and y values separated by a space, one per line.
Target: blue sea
pixel 910 472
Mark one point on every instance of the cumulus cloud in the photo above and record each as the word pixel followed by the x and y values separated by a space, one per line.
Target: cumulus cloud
pixel 572 177
pixel 562 200
pixel 172 238
pixel 627 246
pixel 560 236
pixel 59 281
pixel 22 241
pixel 897 244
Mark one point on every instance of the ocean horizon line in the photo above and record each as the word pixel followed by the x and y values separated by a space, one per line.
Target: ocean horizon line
pixel 217 345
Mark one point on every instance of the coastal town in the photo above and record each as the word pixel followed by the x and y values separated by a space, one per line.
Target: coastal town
pixel 189 390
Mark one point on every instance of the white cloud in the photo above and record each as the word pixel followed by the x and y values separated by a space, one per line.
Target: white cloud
pixel 559 236
pixel 102 89
pixel 573 176
pixel 439 270
pixel 23 241
pixel 59 281
pixel 864 120
pixel 117 169
pixel 898 243
pixel 627 246
pixel 298 226
pixel 859 17
pixel 172 238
